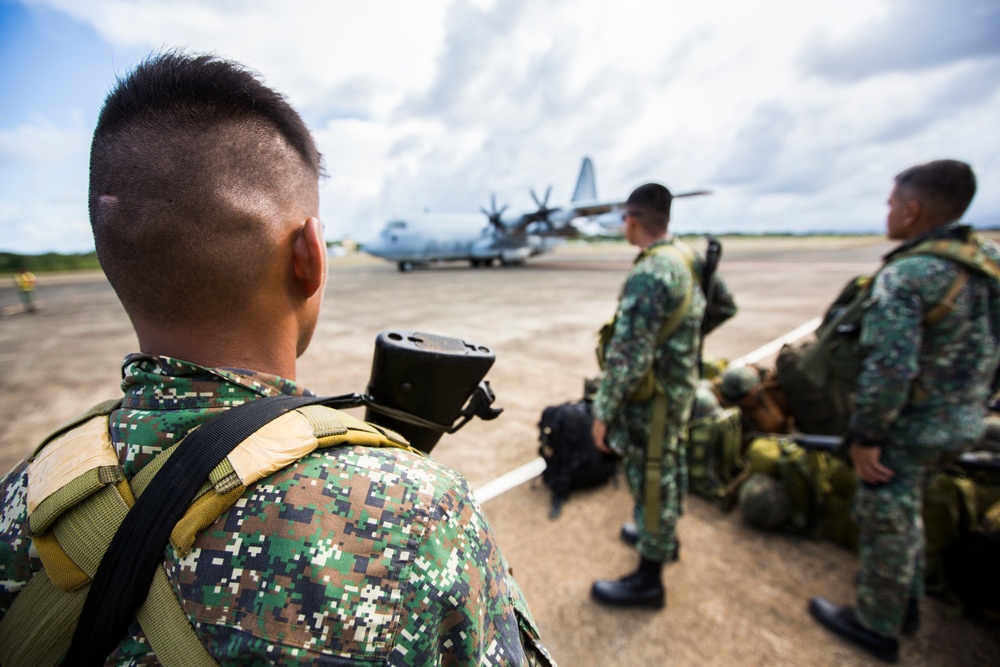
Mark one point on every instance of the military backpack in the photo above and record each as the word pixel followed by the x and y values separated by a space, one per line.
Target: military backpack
pixel 834 359
pixel 572 460
pixel 101 537
pixel 714 448
pixel 802 475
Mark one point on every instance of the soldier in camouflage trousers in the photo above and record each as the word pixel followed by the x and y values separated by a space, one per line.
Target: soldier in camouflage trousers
pixel 204 203
pixel 662 284
pixel 921 397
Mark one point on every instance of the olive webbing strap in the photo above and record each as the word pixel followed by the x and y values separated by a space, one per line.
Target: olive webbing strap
pixel 947 303
pixel 48 608
pixel 654 461
pixel 123 579
pixel 674 321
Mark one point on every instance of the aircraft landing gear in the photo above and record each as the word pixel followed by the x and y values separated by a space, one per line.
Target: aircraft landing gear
pixel 405 267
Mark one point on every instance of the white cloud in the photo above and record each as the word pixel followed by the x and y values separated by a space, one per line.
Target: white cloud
pixel 42 146
pixel 438 104
pixel 43 189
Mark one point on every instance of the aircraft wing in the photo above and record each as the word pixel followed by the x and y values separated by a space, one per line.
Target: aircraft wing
pixel 552 220
pixel 556 218
pixel 586 209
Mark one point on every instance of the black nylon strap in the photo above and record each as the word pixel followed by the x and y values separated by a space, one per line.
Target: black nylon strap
pixel 123 578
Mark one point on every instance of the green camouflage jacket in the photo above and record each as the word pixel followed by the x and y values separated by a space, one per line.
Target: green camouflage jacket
pixel 927 385
pixel 351 556
pixel 654 289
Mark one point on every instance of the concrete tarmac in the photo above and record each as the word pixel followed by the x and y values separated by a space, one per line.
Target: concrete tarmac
pixel 737 596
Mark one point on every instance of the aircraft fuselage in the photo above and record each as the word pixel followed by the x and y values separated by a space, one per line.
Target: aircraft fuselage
pixel 426 238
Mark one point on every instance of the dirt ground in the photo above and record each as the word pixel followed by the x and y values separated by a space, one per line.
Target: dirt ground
pixel 737 596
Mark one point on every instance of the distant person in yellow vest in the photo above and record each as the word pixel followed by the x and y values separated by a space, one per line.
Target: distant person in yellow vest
pixel 25 281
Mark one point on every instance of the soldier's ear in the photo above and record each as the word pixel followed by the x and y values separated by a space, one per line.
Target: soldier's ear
pixel 309 256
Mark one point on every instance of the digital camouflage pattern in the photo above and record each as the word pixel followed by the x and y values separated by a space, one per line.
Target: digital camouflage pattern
pixel 891 538
pixel 927 386
pixel 351 556
pixel 921 394
pixel 654 288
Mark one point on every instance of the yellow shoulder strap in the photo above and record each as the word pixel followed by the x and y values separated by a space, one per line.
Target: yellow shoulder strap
pixel 686 254
pixel 73 525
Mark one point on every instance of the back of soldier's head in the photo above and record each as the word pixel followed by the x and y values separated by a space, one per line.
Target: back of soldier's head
pixel 195 167
pixel 652 200
pixel 946 187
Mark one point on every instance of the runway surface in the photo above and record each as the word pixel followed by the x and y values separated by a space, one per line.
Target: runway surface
pixel 737 596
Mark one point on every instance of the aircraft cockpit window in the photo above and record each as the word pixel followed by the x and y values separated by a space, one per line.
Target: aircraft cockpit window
pixel 392 230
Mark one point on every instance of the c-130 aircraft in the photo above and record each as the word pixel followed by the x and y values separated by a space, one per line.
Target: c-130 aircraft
pixel 426 238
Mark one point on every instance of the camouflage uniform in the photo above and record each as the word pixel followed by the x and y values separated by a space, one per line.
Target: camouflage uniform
pixel 921 394
pixel 351 556
pixel 654 289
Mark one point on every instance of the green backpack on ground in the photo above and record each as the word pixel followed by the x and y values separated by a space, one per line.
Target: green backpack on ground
pixel 840 485
pixel 949 513
pixel 801 473
pixel 714 455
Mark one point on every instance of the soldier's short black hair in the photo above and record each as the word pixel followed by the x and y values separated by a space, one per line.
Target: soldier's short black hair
pixel 946 186
pixel 193 164
pixel 653 200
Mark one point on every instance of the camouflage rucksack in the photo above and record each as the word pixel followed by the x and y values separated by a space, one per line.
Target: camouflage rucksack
pixel 949 513
pixel 802 474
pixel 839 486
pixel 837 354
pixel 714 446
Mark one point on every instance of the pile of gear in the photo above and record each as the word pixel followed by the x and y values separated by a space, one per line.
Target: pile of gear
pixel 768 442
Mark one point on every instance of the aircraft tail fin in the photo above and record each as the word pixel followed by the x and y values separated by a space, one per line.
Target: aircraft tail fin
pixel 586 188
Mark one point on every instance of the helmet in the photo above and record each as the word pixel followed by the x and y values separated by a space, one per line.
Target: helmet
pixel 706 404
pixel 763 502
pixel 738 382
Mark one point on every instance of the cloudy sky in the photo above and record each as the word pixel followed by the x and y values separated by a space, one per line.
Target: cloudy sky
pixel 795 113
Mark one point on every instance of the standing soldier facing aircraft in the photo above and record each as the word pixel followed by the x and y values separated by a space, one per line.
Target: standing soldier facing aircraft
pixel 650 371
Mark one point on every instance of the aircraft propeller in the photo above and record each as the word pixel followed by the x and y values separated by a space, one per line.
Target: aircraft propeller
pixel 542 214
pixel 493 215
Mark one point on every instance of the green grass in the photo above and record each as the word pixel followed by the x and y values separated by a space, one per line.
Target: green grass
pixel 49 262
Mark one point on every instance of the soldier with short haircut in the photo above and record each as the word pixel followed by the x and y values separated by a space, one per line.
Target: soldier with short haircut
pixel 204 200
pixel 920 396
pixel 652 343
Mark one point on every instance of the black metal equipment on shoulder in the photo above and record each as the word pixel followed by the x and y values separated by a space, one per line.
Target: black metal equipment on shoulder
pixel 713 254
pixel 82 624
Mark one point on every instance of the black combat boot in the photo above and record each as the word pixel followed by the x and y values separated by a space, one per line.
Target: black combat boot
pixel 630 535
pixel 842 621
pixel 642 588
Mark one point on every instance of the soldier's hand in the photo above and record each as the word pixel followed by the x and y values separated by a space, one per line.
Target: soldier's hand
pixel 867 465
pixel 599 430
